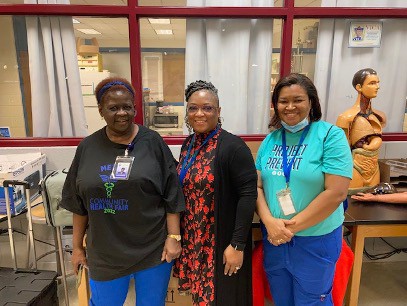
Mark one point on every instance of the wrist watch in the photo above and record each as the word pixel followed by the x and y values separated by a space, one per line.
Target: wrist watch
pixel 176 237
pixel 238 247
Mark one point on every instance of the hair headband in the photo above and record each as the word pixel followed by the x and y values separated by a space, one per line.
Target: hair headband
pixel 110 84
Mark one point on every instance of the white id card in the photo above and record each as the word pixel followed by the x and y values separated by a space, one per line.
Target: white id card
pixel 286 202
pixel 122 167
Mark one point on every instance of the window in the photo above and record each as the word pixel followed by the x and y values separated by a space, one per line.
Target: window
pixel 156 62
pixel 351 3
pixel 22 110
pixel 208 3
pixel 74 2
pixel 237 55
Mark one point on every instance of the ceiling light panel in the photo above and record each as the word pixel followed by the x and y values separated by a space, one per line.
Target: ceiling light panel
pixel 164 32
pixel 159 21
pixel 89 31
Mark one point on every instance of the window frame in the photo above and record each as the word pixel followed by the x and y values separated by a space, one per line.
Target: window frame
pixel 133 12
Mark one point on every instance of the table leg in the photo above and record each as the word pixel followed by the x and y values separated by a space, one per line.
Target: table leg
pixel 358 242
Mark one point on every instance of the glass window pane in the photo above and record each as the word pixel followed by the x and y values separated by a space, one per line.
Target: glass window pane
pixel 340 53
pixel 14 67
pixel 76 2
pixel 162 2
pixel 312 3
pixel 113 59
pixel 239 56
pixel 305 36
pixel 351 3
pixel 99 55
pixel 231 3
pixel 99 2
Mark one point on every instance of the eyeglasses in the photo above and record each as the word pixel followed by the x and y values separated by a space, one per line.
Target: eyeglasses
pixel 207 109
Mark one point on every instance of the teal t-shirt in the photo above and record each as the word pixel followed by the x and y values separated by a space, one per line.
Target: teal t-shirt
pixel 325 150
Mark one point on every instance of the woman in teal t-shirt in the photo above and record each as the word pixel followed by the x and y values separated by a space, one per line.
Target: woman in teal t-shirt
pixel 304 168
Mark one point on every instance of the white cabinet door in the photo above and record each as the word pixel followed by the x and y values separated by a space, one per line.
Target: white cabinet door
pixel 152 70
pixel 93 119
pixel 89 81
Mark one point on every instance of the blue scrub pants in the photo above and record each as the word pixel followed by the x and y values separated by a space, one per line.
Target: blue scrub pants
pixel 301 271
pixel 150 284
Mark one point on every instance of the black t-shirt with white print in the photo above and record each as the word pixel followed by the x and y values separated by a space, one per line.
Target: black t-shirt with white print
pixel 127 218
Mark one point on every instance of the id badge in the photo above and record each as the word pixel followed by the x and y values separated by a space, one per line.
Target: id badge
pixel 122 167
pixel 286 202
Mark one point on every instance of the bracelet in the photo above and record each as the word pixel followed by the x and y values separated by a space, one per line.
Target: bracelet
pixel 176 237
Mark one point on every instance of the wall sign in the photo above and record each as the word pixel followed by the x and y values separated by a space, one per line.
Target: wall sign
pixel 365 34
pixel 4 131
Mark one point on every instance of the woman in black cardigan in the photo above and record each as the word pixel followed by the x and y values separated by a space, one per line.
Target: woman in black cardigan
pixel 218 176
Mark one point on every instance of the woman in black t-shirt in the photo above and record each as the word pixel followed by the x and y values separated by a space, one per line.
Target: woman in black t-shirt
pixel 131 217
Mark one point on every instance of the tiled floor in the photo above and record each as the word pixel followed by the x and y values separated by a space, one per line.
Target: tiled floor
pixel 383 284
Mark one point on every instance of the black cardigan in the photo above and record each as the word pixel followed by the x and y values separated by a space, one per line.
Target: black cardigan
pixel 235 201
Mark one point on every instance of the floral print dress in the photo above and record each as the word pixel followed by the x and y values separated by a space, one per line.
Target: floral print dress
pixel 196 265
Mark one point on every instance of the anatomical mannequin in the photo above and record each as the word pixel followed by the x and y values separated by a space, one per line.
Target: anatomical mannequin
pixel 363 127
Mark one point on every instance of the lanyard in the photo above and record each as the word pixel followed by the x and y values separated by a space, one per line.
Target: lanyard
pixel 186 165
pixel 287 167
pixel 130 147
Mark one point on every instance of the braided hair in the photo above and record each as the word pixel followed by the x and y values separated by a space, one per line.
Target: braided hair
pixel 197 86
pixel 201 85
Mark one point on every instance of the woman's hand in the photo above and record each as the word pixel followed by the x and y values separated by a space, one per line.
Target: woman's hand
pixel 172 249
pixel 79 258
pixel 365 197
pixel 277 231
pixel 233 260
